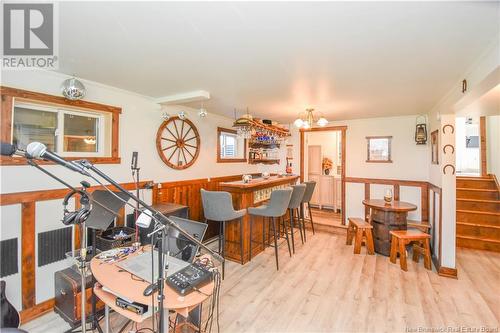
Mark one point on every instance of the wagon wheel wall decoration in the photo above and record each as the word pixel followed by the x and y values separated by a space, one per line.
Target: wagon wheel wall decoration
pixel 178 143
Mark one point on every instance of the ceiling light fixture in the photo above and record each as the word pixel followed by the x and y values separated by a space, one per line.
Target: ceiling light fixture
pixel 202 113
pixel 306 120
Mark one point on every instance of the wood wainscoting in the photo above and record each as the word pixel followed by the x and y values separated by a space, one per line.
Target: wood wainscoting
pixel 187 192
pixel 28 200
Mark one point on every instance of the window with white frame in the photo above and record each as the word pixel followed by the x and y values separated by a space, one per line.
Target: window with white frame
pixel 68 132
pixel 228 145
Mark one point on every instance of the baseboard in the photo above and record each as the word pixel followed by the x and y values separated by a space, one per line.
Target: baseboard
pixel 448 272
pixel 444 271
pixel 37 311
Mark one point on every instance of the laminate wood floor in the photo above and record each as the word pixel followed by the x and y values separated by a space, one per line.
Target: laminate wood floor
pixel 326 288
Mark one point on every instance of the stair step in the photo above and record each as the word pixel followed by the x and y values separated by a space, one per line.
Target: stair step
pixel 478 183
pixel 478 205
pixel 478 230
pixel 479 217
pixel 478 243
pixel 472 193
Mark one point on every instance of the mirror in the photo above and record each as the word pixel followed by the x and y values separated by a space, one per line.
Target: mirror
pixel 230 147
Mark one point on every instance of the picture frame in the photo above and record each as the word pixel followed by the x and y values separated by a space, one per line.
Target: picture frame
pixel 435 147
pixel 378 149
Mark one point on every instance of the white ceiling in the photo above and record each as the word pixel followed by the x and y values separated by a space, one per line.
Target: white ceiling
pixel 346 59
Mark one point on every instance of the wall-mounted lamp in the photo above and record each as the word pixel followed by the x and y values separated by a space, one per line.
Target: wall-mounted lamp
pixel 421 131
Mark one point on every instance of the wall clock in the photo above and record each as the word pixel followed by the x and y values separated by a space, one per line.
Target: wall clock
pixel 178 143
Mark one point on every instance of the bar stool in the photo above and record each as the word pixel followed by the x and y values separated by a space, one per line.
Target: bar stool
pixel 294 205
pixel 310 185
pixel 218 206
pixel 278 204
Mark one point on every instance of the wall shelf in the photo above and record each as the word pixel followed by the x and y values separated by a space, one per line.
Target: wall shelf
pixel 263 161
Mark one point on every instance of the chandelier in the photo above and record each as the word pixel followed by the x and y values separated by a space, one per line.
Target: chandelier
pixel 306 120
pixel 243 125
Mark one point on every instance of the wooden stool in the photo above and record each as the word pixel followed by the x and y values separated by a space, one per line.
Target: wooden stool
pixel 418 225
pixel 363 232
pixel 401 238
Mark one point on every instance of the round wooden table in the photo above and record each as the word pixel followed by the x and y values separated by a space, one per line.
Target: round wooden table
pixel 386 217
pixel 122 283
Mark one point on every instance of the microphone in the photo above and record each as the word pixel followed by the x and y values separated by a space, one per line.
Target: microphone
pixel 38 150
pixel 10 150
pixel 133 164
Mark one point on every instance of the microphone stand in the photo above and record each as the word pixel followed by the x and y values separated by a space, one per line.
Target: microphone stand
pixel 82 267
pixel 162 223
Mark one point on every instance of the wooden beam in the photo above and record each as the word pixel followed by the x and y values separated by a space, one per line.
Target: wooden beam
pixel 424 200
pixel 43 195
pixel 367 197
pixel 396 192
pixel 28 285
pixel 380 181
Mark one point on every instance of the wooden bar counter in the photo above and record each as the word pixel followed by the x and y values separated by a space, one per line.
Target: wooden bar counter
pixel 251 194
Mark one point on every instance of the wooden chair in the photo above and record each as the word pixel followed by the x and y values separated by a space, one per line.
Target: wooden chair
pixel 421 246
pixel 363 233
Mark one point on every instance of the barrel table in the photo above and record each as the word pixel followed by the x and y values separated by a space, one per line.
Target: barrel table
pixel 386 217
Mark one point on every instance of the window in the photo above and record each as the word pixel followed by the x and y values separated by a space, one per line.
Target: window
pixel 74 129
pixel 379 149
pixel 67 132
pixel 230 148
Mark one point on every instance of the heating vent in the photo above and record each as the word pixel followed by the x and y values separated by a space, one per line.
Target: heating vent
pixel 8 257
pixel 53 245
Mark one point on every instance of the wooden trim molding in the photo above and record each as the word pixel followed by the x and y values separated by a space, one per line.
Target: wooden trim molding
pixel 343 130
pixel 444 271
pixel 483 147
pixel 59 100
pixel 382 181
pixel 43 195
pixel 28 285
pixel 37 310
pixel 230 160
pixel 7 104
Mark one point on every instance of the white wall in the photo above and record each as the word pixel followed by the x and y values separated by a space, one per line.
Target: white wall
pixel 139 123
pixel 493 145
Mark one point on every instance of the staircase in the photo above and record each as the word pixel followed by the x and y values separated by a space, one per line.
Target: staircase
pixel 478 213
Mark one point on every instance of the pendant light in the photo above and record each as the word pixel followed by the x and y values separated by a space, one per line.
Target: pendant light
pixel 306 120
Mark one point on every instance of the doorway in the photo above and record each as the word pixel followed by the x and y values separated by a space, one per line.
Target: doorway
pixel 322 152
pixel 468 158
